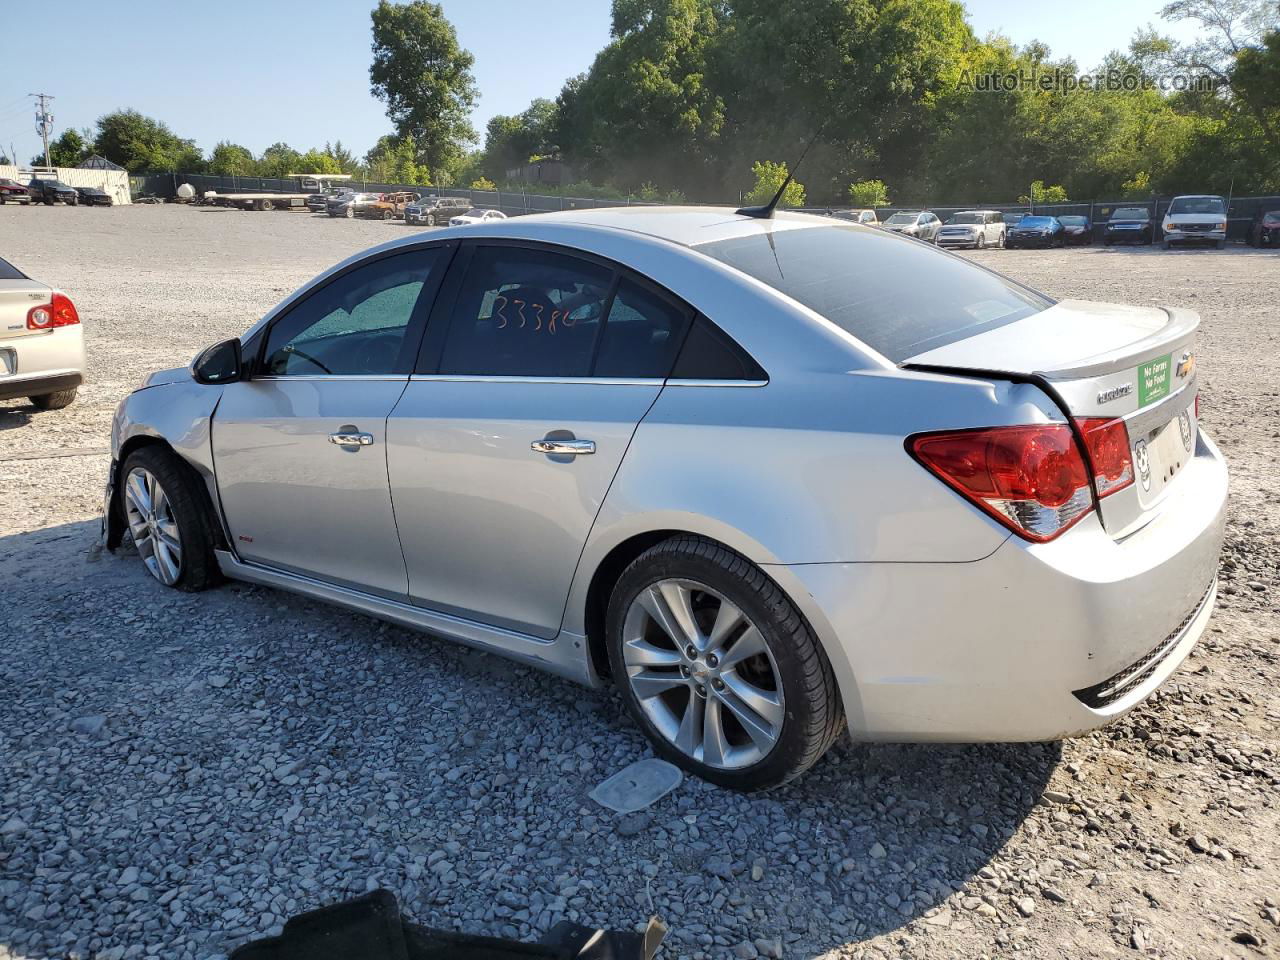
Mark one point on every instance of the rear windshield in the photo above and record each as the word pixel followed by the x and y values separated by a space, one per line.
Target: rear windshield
pixel 904 218
pixel 896 295
pixel 9 272
pixel 1192 205
pixel 1073 221
pixel 1036 222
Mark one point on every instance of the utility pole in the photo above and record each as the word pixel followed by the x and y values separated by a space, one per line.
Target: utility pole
pixel 44 122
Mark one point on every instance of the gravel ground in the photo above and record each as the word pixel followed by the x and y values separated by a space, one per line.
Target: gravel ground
pixel 179 773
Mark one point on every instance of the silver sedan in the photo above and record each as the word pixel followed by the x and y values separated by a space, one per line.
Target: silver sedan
pixel 773 478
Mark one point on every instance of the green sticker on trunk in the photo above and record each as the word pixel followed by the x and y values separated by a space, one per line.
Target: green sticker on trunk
pixel 1153 380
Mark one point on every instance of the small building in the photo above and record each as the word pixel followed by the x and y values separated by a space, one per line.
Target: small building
pixel 553 173
pixel 96 162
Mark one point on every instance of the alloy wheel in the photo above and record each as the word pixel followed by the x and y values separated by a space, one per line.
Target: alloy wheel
pixel 703 674
pixel 153 525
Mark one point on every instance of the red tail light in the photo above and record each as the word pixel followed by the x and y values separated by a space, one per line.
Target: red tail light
pixel 1108 444
pixel 1032 479
pixel 61 312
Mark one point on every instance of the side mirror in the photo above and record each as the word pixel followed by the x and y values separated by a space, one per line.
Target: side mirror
pixel 218 364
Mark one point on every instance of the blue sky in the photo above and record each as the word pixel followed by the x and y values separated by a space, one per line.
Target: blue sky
pixel 258 72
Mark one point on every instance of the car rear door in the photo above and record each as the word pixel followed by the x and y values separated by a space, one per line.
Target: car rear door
pixel 503 446
pixel 300 447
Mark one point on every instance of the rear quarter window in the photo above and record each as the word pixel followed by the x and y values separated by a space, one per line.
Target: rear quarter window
pixel 898 296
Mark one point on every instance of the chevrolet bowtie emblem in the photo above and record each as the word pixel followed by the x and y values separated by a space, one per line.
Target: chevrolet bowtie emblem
pixel 1186 365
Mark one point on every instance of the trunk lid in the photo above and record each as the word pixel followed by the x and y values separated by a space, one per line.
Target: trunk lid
pixel 17 297
pixel 1136 364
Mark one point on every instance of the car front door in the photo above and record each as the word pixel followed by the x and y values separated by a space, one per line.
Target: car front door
pixel 300 447
pixel 536 369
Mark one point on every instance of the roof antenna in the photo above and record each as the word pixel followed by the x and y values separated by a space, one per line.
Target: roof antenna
pixel 766 212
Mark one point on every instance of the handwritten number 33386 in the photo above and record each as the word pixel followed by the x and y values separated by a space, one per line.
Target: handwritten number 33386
pixel 537 310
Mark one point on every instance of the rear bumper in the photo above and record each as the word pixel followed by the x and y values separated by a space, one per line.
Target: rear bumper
pixel 44 363
pixel 11 388
pixel 1035 642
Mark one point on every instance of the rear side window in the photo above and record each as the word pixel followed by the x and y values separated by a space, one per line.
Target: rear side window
pixel 711 354
pixel 642 335
pixel 9 272
pixel 526 313
pixel 898 296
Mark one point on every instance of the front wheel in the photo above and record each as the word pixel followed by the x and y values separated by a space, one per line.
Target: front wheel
pixel 168 518
pixel 431 219
pixel 982 241
pixel 350 214
pixel 718 667
pixel 388 215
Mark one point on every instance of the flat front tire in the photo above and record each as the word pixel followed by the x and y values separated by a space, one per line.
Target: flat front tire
pixel 718 667
pixel 168 518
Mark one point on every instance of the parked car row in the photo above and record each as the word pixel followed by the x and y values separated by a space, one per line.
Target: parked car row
pixel 1192 219
pixel 49 192
pixel 412 208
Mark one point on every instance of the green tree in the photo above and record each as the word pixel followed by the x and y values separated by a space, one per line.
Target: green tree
pixel 393 159
pixel 278 160
pixel 769 177
pixel 231 160
pixel 649 107
pixel 483 183
pixel 512 141
pixel 424 76
pixel 69 149
pixel 318 161
pixel 1042 194
pixel 343 157
pixel 869 193
pixel 143 145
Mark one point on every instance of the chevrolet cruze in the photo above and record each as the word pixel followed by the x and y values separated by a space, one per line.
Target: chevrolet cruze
pixel 773 478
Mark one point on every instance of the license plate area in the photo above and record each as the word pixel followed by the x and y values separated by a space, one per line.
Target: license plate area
pixel 8 361
pixel 1161 454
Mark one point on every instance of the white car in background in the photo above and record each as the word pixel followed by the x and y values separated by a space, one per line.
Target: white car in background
pixel 476 215
pixel 41 342
pixel 973 228
pixel 1196 219
pixel 915 223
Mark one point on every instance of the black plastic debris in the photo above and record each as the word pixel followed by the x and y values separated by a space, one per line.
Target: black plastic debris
pixel 371 928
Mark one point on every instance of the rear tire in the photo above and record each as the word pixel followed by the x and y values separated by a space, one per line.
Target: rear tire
pixel 178 501
pixel 783 686
pixel 54 401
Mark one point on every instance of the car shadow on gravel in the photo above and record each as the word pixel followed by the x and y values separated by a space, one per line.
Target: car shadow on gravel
pixel 12 417
pixel 251 754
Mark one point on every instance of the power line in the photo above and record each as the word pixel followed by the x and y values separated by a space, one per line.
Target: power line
pixel 44 122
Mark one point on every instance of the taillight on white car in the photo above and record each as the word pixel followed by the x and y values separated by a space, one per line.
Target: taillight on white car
pixel 1033 479
pixel 61 312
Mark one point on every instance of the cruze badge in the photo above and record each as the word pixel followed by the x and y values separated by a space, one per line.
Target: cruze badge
pixel 1115 393
pixel 1186 365
pixel 1143 462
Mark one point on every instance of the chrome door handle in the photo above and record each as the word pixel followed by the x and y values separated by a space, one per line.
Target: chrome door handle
pixel 351 439
pixel 569 448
